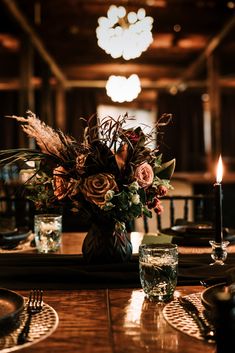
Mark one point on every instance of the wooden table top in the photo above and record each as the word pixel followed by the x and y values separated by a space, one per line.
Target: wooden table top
pixel 113 320
pixel 72 244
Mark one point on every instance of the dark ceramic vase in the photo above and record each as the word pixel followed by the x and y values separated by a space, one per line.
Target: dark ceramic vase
pixel 104 243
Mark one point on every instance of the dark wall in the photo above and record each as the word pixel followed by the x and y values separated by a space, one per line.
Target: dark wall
pixel 183 137
pixel 9 133
pixel 81 103
pixel 228 130
pixel 228 202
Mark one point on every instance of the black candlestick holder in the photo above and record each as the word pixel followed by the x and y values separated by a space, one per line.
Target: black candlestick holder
pixel 219 252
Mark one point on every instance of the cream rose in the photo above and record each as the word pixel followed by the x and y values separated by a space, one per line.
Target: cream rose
pixel 96 186
pixel 144 175
pixel 135 199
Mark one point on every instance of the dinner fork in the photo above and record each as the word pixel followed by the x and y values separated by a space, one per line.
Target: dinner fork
pixel 34 306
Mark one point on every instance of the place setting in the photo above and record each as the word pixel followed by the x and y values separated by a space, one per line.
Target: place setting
pixel 24 321
pixel 15 240
pixel 158 264
pixel 204 315
pixel 199 315
pixel 196 234
pixel 196 314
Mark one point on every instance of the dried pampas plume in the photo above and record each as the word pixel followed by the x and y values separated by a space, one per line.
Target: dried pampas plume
pixel 51 142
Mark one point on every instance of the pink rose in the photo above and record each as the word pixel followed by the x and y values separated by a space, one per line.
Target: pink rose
pixel 144 175
pixel 96 186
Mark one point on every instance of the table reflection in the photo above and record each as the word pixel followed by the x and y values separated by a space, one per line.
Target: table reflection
pixel 145 323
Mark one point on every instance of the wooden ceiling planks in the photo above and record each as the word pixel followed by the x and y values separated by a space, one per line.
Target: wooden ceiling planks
pixel 66 33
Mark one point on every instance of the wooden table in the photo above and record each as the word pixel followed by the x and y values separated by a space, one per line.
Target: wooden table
pixel 111 320
pixel 117 320
pixel 72 244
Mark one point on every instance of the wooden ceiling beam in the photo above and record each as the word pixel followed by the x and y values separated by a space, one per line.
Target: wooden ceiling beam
pixel 36 41
pixel 213 44
pixel 14 84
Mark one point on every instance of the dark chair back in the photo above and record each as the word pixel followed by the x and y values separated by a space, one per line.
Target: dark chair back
pixel 194 208
pixel 16 212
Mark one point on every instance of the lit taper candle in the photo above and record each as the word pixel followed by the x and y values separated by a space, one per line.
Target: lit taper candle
pixel 218 203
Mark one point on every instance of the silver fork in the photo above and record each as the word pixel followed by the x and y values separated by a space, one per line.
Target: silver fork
pixel 34 306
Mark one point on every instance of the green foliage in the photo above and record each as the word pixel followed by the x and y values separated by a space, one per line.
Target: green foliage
pixel 165 170
pixel 39 189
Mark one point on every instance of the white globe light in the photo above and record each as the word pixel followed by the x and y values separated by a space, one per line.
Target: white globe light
pixel 112 13
pixel 121 12
pixel 132 38
pixel 132 17
pixel 121 89
pixel 141 14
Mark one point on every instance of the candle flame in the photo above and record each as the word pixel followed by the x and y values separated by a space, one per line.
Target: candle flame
pixel 219 175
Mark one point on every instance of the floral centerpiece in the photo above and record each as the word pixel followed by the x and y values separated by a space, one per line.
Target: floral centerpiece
pixel 111 176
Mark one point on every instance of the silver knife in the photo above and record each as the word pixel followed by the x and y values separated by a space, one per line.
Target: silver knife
pixel 206 330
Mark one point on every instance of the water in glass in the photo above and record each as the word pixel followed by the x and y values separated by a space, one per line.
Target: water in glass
pixel 158 265
pixel 47 230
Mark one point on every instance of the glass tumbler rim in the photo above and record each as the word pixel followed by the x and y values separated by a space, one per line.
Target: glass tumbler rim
pixel 47 215
pixel 159 246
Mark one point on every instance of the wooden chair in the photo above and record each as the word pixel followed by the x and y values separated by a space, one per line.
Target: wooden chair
pixel 194 208
pixel 16 212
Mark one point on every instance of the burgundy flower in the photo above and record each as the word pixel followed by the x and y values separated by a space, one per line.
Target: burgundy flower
pixel 161 190
pixel 158 207
pixel 132 136
pixel 153 203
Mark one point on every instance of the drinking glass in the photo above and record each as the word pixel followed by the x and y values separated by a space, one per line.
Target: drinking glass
pixel 158 265
pixel 48 230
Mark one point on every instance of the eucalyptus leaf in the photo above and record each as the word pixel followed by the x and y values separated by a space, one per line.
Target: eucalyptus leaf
pixel 147 212
pixel 166 170
pixel 136 210
pixel 142 194
pixel 121 200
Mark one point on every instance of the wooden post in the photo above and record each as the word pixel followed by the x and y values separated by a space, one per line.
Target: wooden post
pixel 46 113
pixel 207 133
pixel 35 39
pixel 196 67
pixel 214 103
pixel 60 107
pixel 26 91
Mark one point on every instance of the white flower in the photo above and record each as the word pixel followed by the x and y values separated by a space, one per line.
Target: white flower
pixel 133 187
pixel 135 199
pixel 109 195
pixel 108 206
